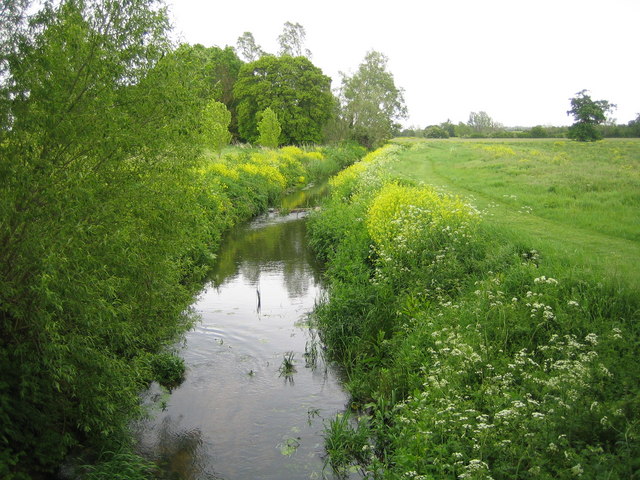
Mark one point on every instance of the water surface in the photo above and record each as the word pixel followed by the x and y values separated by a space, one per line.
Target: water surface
pixel 236 416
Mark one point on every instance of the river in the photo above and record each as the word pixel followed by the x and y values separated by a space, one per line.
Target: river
pixel 240 415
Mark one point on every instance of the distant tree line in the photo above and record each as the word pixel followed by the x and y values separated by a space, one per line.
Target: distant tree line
pixel 590 124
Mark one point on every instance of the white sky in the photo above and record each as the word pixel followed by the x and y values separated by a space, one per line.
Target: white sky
pixel 520 61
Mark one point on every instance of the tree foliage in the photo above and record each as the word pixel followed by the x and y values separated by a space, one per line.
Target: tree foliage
pixel 482 123
pixel 291 41
pixel 215 125
pixel 587 114
pixel 371 102
pixel 212 72
pixel 269 128
pixel 248 47
pixel 100 229
pixel 296 90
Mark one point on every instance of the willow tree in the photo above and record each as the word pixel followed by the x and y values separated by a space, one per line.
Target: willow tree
pixel 99 221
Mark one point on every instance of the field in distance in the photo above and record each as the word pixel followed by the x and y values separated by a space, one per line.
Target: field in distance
pixel 578 201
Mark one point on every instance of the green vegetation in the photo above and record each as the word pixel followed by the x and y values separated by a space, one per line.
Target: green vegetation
pixel 476 345
pixel 114 196
pixel 296 90
pixel 288 365
pixel 578 201
pixel 269 129
pixel 371 103
pixel 215 126
pixel 588 114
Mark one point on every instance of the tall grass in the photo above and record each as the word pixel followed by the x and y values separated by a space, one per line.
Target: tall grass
pixel 468 352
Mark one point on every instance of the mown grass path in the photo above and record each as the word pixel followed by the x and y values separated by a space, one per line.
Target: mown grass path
pixel 585 248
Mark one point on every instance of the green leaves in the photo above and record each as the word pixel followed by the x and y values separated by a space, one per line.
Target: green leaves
pixel 371 101
pixel 293 88
pixel 588 113
pixel 269 128
pixel 215 125
pixel 99 221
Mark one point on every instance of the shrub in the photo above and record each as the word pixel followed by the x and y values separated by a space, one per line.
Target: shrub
pixel 436 132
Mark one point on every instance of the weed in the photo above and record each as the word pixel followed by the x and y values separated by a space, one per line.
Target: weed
pixel 287 367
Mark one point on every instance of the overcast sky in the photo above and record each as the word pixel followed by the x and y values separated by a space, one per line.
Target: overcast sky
pixel 519 61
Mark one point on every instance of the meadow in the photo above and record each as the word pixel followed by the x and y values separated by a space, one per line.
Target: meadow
pixel 485 318
pixel 579 200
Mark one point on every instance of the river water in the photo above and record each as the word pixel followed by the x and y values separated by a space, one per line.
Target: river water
pixel 238 415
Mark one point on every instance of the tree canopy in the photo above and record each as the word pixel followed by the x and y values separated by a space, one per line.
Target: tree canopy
pixel 371 102
pixel 587 114
pixel 291 40
pixel 248 47
pixel 99 224
pixel 482 123
pixel 295 89
pixel 212 72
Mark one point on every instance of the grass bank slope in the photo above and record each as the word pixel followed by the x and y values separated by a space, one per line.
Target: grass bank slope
pixel 477 341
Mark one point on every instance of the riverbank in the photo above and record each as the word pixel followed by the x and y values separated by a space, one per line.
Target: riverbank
pixel 97 291
pixel 468 351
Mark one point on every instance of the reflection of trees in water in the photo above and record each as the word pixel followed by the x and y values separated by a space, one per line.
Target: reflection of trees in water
pixel 282 245
pixel 179 453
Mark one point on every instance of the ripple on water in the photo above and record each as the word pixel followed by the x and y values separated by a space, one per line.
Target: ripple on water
pixel 236 416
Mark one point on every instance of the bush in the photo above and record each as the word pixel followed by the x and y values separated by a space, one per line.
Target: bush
pixel 436 132
pixel 168 370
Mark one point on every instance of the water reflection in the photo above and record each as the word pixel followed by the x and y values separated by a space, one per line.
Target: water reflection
pixel 235 417
pixel 273 243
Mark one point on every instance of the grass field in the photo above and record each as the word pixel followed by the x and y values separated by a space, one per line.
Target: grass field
pixel 579 201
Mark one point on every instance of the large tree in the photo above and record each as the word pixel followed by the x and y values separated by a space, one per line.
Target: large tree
pixel 588 114
pixel 371 102
pixel 295 89
pixel 99 221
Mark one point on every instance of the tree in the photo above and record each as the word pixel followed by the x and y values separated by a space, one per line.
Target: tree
pixel 435 131
pixel 371 102
pixel 481 123
pixel 291 41
pixel 212 73
pixel 538 132
pixel 634 126
pixel 248 47
pixel 269 129
pixel 588 114
pixel 449 127
pixel 296 90
pixel 99 222
pixel 215 125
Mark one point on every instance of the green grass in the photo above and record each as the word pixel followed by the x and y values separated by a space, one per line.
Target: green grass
pixel 577 201
pixel 498 346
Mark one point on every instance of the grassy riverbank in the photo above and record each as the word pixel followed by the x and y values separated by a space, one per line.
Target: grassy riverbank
pixel 477 337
